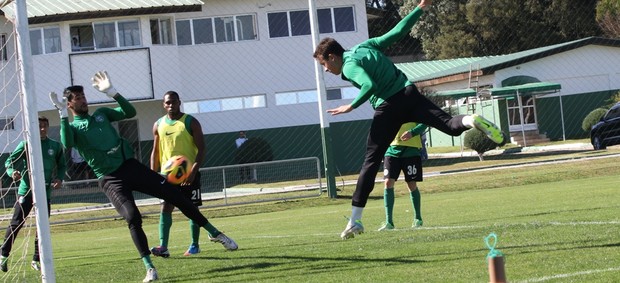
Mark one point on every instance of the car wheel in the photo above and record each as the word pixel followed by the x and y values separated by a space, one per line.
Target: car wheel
pixel 597 143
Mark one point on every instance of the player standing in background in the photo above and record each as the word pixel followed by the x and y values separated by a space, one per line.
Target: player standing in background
pixel 404 154
pixel 112 160
pixel 177 133
pixel 54 168
pixel 395 99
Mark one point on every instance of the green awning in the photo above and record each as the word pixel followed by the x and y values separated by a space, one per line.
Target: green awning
pixel 457 93
pixel 531 88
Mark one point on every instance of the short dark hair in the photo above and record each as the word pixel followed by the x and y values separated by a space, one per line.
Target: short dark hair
pixel 71 90
pixel 328 46
pixel 44 119
pixel 172 93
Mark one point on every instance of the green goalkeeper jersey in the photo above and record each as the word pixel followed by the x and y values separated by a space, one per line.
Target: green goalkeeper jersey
pixel 95 138
pixel 369 70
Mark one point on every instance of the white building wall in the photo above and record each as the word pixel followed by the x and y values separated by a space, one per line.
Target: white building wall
pixel 233 69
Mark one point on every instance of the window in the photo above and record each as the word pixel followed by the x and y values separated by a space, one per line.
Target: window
pixel 294 23
pixel 101 35
pixel 220 29
pixel 7 124
pixel 286 98
pixel 3 47
pixel 225 104
pixel 44 40
pixel 161 31
pixel 349 92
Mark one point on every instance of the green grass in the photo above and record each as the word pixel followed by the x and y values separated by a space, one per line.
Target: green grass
pixel 555 221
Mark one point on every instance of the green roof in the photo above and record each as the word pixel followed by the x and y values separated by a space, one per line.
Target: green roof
pixel 40 11
pixel 504 92
pixel 428 70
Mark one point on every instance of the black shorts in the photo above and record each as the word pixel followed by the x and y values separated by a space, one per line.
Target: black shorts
pixel 193 191
pixel 411 167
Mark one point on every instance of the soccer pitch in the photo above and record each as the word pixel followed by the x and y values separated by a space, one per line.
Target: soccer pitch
pixel 557 231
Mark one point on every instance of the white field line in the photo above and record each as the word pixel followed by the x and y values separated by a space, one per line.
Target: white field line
pixel 567 275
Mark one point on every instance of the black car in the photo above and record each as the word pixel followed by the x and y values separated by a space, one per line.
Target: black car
pixel 607 131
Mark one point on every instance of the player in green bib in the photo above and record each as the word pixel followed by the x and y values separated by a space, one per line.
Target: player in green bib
pixel 404 154
pixel 54 168
pixel 395 99
pixel 112 160
pixel 178 133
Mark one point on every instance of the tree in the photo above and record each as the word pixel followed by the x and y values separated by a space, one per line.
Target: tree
pixel 469 28
pixel 608 17
pixel 478 141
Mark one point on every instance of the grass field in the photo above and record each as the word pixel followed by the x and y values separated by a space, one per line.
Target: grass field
pixel 555 223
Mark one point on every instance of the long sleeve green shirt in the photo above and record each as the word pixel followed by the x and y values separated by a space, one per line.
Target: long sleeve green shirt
pixel 54 165
pixel 373 73
pixel 95 138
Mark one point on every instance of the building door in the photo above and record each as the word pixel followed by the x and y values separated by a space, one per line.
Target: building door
pixel 529 113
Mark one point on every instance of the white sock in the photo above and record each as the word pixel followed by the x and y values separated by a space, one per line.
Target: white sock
pixel 356 214
pixel 468 121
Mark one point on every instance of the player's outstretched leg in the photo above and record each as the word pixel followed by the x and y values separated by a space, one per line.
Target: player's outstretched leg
pixel 227 242
pixel 487 127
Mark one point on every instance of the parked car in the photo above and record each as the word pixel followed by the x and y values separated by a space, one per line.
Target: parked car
pixel 607 131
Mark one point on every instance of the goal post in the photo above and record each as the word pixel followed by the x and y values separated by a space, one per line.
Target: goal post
pixel 25 91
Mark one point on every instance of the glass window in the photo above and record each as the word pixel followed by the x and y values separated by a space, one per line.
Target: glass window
pixel 161 31
pixel 278 24
pixel 286 98
pixel 51 40
pixel 333 94
pixel 184 32
pixel 209 106
pixel 245 28
pixel 300 23
pixel 190 107
pixel 256 101
pixel 3 51
pixel 344 19
pixel 349 92
pixel 44 41
pixel 307 96
pixel 232 103
pixel 324 17
pixel 7 124
pixel 224 29
pixel 82 37
pixel 105 35
pixel 203 31
pixel 129 34
pixel 36 42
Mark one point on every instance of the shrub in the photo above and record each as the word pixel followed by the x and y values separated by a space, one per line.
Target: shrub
pixel 478 141
pixel 592 118
pixel 254 150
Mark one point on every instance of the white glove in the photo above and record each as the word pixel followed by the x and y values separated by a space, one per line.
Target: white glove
pixel 102 83
pixel 61 105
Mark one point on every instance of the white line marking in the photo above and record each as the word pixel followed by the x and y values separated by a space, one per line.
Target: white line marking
pixel 566 275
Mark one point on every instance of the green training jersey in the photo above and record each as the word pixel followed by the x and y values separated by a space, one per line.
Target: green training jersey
pixel 373 73
pixel 175 138
pixel 95 138
pixel 54 165
pixel 411 147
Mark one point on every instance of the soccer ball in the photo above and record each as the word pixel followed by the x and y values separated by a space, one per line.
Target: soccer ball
pixel 177 169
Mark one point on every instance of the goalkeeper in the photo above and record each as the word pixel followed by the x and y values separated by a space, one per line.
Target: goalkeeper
pixel 119 173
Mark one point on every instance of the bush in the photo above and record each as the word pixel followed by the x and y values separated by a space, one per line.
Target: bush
pixel 592 118
pixel 254 150
pixel 478 141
